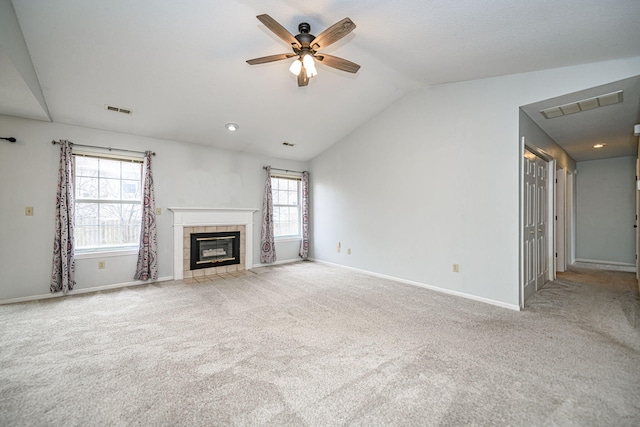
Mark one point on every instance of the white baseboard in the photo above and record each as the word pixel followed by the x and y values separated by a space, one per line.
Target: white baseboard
pixel 423 285
pixel 284 261
pixel 604 265
pixel 84 290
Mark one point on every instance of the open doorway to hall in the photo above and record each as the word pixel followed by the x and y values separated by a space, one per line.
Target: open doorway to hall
pixel 592 203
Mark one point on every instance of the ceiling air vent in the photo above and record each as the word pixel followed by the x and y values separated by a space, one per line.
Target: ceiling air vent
pixel 117 109
pixel 584 105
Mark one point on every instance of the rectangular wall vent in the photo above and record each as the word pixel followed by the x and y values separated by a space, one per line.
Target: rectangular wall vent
pixel 584 105
pixel 117 109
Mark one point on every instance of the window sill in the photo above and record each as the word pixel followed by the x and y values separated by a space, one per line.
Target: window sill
pixel 287 239
pixel 104 254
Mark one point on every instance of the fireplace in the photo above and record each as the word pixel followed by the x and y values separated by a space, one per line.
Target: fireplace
pixel 188 221
pixel 214 249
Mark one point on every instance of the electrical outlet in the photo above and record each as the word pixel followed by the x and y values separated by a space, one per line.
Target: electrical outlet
pixel 28 211
pixel 349 251
pixel 100 265
pixel 456 268
pixel 158 211
pixel 338 247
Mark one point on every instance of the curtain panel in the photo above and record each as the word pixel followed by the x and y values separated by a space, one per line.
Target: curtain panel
pixel 267 239
pixel 63 272
pixel 304 244
pixel 147 267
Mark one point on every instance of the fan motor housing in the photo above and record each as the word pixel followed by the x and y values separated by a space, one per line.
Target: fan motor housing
pixel 304 37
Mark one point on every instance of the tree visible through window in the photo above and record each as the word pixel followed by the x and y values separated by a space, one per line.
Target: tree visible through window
pixel 286 206
pixel 108 210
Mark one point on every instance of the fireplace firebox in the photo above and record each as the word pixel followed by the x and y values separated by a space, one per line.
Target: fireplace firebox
pixel 214 249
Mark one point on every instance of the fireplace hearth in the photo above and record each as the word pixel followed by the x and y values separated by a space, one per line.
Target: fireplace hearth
pixel 214 249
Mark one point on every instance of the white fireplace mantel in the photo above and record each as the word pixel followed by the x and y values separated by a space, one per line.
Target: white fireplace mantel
pixel 197 217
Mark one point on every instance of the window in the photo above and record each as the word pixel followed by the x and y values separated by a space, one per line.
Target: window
pixel 108 208
pixel 286 206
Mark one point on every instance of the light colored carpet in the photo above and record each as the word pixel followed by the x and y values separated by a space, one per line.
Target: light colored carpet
pixel 310 344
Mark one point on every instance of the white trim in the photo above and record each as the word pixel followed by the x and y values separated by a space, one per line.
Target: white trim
pixel 604 265
pixel 284 261
pixel 288 239
pixel 430 287
pixel 106 254
pixel 199 217
pixel 83 290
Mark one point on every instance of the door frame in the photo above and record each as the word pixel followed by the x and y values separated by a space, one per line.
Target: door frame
pixel 551 235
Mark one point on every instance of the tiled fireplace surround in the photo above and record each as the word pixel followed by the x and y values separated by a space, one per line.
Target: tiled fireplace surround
pixel 205 220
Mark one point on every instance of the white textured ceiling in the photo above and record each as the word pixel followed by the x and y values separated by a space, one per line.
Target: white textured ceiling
pixel 180 65
pixel 611 125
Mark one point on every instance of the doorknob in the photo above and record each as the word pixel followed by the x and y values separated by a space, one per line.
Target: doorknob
pixel 635 226
pixel 539 230
pixel 531 232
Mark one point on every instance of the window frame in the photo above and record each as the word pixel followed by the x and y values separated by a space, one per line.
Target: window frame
pixel 298 206
pixel 107 251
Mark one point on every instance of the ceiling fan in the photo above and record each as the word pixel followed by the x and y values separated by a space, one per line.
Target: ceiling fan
pixel 306 46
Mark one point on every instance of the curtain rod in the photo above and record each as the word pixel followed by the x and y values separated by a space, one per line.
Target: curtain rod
pixel 281 170
pixel 104 148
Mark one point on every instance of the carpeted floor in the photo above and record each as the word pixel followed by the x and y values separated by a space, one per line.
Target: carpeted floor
pixel 310 344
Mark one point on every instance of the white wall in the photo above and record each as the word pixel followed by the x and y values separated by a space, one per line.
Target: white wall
pixel 185 175
pixel 535 137
pixel 434 180
pixel 606 209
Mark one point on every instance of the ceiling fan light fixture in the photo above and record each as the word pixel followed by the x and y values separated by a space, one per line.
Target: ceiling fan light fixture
pixel 296 67
pixel 309 65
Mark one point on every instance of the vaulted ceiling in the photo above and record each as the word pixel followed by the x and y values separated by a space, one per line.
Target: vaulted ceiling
pixel 179 66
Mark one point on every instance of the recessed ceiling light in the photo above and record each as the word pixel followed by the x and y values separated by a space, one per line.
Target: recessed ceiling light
pixel 232 127
pixel 599 145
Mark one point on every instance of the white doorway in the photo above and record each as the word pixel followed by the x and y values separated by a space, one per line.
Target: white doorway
pixel 560 220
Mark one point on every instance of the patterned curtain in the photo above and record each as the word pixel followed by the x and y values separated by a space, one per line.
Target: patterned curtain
pixel 63 272
pixel 147 267
pixel 304 245
pixel 267 241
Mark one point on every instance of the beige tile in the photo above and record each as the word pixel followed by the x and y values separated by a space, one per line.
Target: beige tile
pixel 198 229
pixel 221 269
pixel 190 281
pixel 232 268
pixel 198 273
pixel 241 266
pixel 210 229
pixel 202 279
pixel 187 274
pixel 209 271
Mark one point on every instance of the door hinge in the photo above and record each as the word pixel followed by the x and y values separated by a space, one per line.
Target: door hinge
pixel 556 217
pixel 556 254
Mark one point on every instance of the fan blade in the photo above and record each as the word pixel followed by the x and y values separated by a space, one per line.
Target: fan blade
pixel 338 63
pixel 333 34
pixel 278 30
pixel 303 80
pixel 270 58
